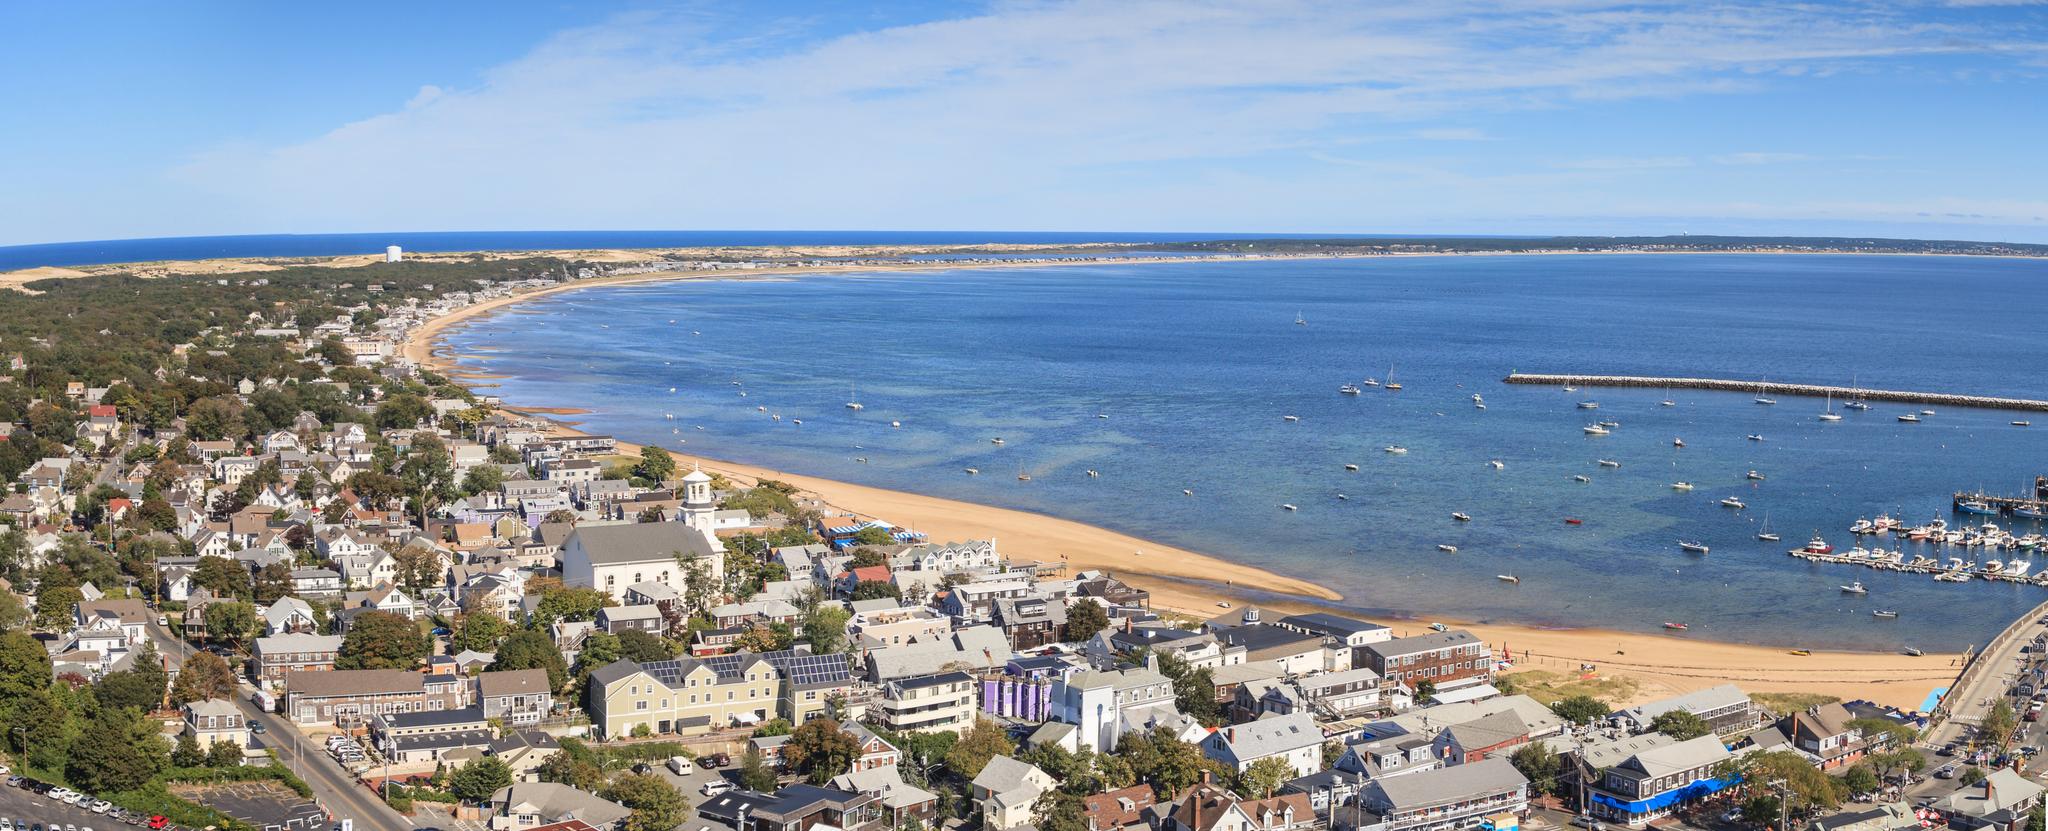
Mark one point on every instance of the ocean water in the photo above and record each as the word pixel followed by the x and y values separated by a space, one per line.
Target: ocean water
pixel 1196 363
pixel 98 252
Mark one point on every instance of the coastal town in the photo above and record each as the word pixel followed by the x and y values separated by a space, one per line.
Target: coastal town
pixel 276 571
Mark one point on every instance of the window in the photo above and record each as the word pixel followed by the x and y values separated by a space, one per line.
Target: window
pixel 640 705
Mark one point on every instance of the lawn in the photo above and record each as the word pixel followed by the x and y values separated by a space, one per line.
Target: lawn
pixel 1782 702
pixel 1550 687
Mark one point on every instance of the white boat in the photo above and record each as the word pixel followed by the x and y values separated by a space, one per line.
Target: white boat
pixel 1395 449
pixel 1887 614
pixel 1349 389
pixel 2022 424
pixel 1351 467
pixel 1571 389
pixel 1581 478
pixel 1507 578
pixel 973 470
pixel 1678 442
pixel 1290 418
pixel 1609 463
pixel 853 399
pixel 1476 399
pixel 1755 437
pixel 1909 418
pixel 1766 534
pixel 1732 502
pixel 1288 507
pixel 1855 588
pixel 1023 477
pixel 1760 399
pixel 1681 486
pixel 1595 430
pixel 997 440
pixel 1461 516
pixel 1497 464
pixel 1447 548
pixel 1094 473
pixel 1927 412
pixel 1589 405
pixel 1299 320
pixel 1187 492
pixel 1390 386
pixel 1829 414
pixel 1754 476
pixel 1693 546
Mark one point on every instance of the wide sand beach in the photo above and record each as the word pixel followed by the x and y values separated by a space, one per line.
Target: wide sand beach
pixel 1193 583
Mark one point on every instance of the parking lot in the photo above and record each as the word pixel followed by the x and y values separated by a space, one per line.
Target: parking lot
pixel 25 807
pixel 265 805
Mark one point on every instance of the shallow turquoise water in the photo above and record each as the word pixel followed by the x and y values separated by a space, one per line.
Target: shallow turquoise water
pixel 1196 363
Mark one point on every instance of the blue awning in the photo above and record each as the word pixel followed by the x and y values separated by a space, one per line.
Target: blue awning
pixel 1699 789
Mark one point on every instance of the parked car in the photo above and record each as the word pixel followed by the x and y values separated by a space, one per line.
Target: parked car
pixel 720 759
pixel 715 787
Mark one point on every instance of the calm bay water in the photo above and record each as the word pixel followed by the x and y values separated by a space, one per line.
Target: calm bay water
pixel 1196 364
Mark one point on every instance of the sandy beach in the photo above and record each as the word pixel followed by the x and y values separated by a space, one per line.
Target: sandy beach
pixel 1195 583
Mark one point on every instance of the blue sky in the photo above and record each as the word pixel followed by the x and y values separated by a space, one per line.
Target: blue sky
pixel 1514 116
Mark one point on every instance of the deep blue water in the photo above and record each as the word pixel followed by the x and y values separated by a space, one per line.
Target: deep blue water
pixel 99 252
pixel 1196 363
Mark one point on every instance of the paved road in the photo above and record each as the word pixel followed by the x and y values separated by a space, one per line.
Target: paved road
pixel 2001 668
pixel 333 786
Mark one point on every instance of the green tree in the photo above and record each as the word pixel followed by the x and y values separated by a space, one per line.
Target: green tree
pixel 656 804
pixel 1580 709
pixel 24 665
pixel 560 603
pixel 1194 689
pixel 1425 691
pixel 1860 779
pixel 203 676
pixel 186 754
pixel 1084 619
pixel 1970 776
pixel 876 589
pixel 1807 788
pixel 1060 811
pixel 1680 725
pixel 1761 810
pixel 1162 760
pixel 527 649
pixel 1261 778
pixel 754 774
pixel 982 742
pixel 118 750
pixel 599 649
pixel 272 582
pixel 224 753
pixel 382 640
pixel 222 576
pixel 656 465
pixel 480 632
pixel 483 479
pixel 865 557
pixel 642 646
pixel 232 621
pixel 1539 765
pixel 825 627
pixel 820 749
pixel 54 606
pixel 874 535
pixel 481 777
pixel 567 767
pixel 1997 725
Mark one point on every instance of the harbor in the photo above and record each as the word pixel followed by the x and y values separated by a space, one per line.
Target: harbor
pixel 1780 388
pixel 1951 554
pixel 2024 507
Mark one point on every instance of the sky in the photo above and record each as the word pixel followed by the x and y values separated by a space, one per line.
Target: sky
pixel 141 119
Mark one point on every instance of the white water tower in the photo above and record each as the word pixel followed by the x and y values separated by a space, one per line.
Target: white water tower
pixel 393 253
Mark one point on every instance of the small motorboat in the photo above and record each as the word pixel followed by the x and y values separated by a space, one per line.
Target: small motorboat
pixel 997 440
pixel 1581 478
pixel 1595 430
pixel 1290 418
pixel 1693 546
pixel 1447 548
pixel 1927 412
pixel 1589 405
pixel 1572 520
pixel 1507 578
pixel 1854 588
pixel 1094 473
pixel 1395 449
pixel 1678 442
pixel 973 470
pixel 1755 437
pixel 1886 614
pixel 1351 467
pixel 1732 502
pixel 1754 476
pixel 1802 652
pixel 1909 418
pixel 2022 424
pixel 1350 389
pixel 1609 463
pixel 1915 652
pixel 1681 486
pixel 1287 507
pixel 1462 516
pixel 1344 498
pixel 1023 477
pixel 1608 424
pixel 1676 627
pixel 1497 464
pixel 1187 492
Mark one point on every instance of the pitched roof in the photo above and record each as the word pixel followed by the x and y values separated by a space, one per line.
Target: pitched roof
pixel 1489 730
pixel 1271 736
pixel 1004 775
pixel 639 542
pixel 344 682
pixel 513 682
pixel 1678 757
pixel 1443 785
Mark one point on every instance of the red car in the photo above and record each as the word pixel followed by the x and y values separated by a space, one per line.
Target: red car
pixel 157 822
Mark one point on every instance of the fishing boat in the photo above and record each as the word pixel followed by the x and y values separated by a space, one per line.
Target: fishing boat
pixel 2030 513
pixel 1581 478
pixel 1855 587
pixel 1829 414
pixel 1766 534
pixel 1350 389
pixel 1732 502
pixel 1754 476
pixel 1608 463
pixel 1886 614
pixel 1681 486
pixel 1589 405
pixel 1447 548
pixel 1288 507
pixel 1693 546
pixel 1461 516
pixel 1595 430
pixel 1290 418
pixel 1507 578
pixel 1353 468
pixel 1395 449
pixel 1678 627
pixel 1497 464
pixel 1975 507
pixel 1818 546
pixel 1572 520
pixel 1909 418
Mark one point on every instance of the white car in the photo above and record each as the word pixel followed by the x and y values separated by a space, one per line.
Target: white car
pixel 80 799
pixel 102 806
pixel 715 787
pixel 59 794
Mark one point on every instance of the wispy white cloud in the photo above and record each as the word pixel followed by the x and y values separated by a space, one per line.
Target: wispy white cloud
pixel 1760 158
pixel 1027 114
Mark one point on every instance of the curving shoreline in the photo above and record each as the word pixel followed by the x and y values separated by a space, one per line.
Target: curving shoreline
pixel 1194 583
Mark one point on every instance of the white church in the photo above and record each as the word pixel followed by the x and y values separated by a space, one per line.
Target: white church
pixel 613 556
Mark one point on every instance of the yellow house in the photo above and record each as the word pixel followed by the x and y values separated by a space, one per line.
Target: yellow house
pixel 688 696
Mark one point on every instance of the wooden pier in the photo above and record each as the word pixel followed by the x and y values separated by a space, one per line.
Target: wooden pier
pixel 1779 388
pixel 2038 503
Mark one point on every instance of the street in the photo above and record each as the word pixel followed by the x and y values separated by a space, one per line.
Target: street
pixel 334 787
